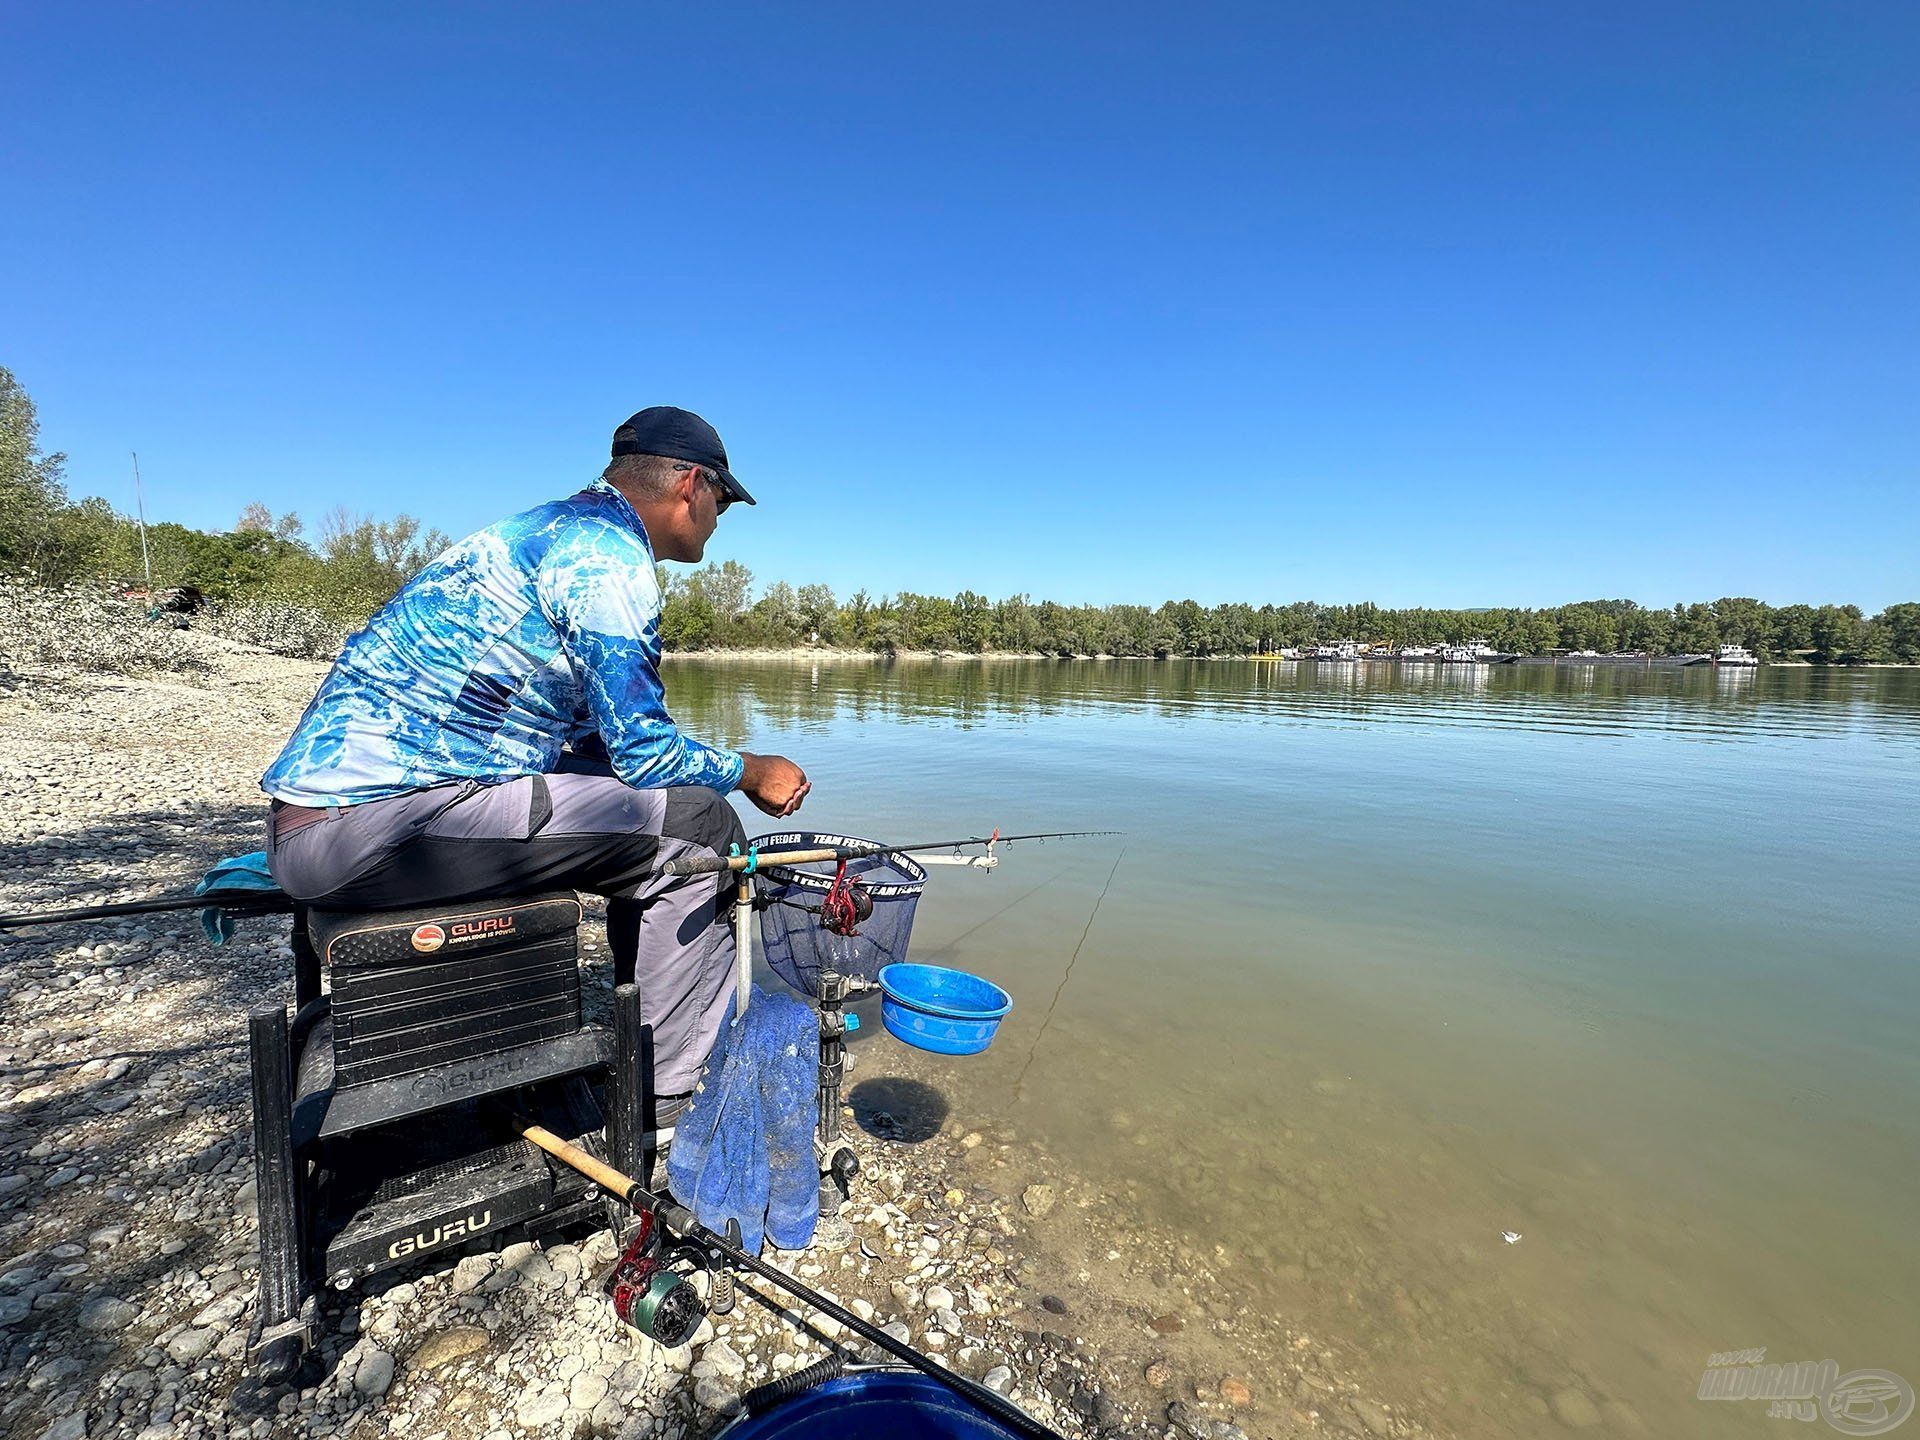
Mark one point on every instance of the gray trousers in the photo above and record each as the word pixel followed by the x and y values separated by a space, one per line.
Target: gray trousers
pixel 581 830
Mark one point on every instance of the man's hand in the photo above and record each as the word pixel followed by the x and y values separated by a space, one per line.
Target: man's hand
pixel 774 783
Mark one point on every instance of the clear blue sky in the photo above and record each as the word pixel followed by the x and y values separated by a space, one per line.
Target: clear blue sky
pixel 1452 304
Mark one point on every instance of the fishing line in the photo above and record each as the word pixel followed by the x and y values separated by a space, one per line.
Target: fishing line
pixel 949 946
pixel 1021 1078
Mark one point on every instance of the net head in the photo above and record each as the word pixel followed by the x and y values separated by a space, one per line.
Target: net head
pixel 851 918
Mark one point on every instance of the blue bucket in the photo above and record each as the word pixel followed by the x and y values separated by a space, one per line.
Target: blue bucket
pixel 873 1405
pixel 946 1011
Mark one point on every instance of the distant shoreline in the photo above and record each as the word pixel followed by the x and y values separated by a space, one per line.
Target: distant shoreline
pixel 822 652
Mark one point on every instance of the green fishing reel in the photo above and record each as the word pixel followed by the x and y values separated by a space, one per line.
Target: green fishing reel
pixel 651 1296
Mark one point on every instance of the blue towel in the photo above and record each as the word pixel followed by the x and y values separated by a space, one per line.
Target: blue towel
pixel 744 1149
pixel 790 1109
pixel 236 872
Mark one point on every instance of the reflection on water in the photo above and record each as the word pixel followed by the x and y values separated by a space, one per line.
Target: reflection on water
pixel 1717 702
pixel 1403 957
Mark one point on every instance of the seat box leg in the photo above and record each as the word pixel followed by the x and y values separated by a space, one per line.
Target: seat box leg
pixel 306 964
pixel 281 1334
pixel 627 1091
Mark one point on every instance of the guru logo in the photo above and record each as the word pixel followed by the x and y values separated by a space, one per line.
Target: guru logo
pixel 479 929
pixel 440 1234
pixel 428 938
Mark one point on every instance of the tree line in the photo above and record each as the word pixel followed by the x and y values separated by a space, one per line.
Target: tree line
pixel 348 569
pixel 354 563
pixel 714 608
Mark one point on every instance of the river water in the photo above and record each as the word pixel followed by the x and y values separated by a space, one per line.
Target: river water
pixel 1394 960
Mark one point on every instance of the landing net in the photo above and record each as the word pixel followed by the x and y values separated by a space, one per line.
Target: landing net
pixel 791 898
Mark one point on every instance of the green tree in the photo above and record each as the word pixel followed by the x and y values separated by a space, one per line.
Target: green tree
pixel 1837 633
pixel 375 557
pixel 1900 625
pixel 32 490
pixel 728 588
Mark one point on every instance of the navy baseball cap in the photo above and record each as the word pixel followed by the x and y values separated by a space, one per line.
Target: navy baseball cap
pixel 679 435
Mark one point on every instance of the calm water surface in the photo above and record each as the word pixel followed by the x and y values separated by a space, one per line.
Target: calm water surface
pixel 1395 960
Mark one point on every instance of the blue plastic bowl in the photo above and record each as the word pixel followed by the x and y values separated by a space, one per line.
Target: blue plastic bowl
pixel 946 1011
pixel 873 1405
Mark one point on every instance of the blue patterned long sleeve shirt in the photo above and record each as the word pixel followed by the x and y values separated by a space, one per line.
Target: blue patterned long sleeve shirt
pixel 539 631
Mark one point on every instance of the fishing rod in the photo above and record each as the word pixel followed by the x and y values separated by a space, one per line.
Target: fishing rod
pixel 249 902
pixel 754 859
pixel 678 1218
pixel 274 902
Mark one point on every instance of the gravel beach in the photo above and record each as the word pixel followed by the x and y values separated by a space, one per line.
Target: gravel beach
pixel 128 1242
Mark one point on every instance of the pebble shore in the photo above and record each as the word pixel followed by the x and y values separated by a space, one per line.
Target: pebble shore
pixel 127 1235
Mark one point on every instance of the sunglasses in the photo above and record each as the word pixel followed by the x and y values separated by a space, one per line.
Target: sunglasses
pixel 722 497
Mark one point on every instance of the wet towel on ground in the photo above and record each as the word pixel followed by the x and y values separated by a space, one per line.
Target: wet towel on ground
pixel 744 1149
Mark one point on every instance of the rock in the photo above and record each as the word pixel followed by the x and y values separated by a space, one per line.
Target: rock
pixel 1167 1324
pixel 724 1360
pixel 471 1273
pixel 1377 1418
pixel 998 1379
pixel 1039 1200
pixel 536 1271
pixel 1053 1305
pixel 1188 1421
pixel 715 1395
pixel 1159 1374
pixel 106 1312
pixel 606 1417
pixel 1573 1408
pixel 373 1374
pixel 191 1345
pixel 1235 1392
pixel 587 1390
pixel 443 1347
pixel 67 1427
pixel 543 1407
pixel 938 1297
pixel 224 1311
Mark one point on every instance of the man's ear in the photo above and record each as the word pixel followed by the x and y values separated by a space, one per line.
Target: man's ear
pixel 688 482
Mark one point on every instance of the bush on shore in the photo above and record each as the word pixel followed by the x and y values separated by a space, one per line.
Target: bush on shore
pixel 81 628
pixel 283 625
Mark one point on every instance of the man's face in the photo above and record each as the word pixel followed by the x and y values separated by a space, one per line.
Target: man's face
pixel 703 515
pixel 698 501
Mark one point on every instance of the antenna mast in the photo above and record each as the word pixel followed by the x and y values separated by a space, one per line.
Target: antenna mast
pixel 140 510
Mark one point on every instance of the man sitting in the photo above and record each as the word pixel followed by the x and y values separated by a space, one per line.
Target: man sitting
pixel 500 727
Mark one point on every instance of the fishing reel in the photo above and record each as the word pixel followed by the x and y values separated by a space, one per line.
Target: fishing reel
pixel 649 1294
pixel 846 906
